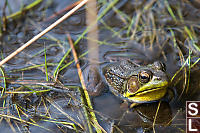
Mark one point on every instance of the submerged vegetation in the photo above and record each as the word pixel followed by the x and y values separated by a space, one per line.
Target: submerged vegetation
pixel 43 88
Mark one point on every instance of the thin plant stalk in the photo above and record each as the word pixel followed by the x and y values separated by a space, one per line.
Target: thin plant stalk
pixel 93 117
pixel 18 13
pixel 91 15
pixel 154 121
pixel 45 62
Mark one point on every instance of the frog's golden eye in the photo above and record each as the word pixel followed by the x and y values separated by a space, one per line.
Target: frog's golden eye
pixel 145 76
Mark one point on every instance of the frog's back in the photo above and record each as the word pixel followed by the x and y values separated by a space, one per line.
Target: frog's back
pixel 123 69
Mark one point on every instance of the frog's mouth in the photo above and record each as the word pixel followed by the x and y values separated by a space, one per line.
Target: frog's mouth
pixel 144 90
pixel 147 95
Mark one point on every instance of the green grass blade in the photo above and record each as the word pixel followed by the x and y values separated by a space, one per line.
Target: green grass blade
pixel 45 66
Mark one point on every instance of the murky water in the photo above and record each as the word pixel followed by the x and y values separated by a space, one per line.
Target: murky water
pixel 141 31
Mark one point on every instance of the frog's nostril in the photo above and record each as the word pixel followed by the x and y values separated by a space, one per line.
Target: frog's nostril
pixel 158 78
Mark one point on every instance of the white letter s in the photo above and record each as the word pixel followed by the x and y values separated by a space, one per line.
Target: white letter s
pixel 191 106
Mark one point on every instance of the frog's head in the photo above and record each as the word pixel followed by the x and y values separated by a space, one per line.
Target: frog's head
pixel 137 83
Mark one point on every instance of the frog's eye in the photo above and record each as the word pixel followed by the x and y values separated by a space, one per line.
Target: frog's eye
pixel 145 76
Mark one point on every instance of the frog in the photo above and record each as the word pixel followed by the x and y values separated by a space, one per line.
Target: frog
pixel 137 83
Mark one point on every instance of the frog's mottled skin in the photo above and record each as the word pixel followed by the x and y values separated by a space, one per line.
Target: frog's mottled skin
pixel 128 81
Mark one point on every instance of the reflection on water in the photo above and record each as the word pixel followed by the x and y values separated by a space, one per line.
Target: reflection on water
pixel 140 117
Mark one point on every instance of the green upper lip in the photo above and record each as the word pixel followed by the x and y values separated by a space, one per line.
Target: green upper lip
pixel 149 88
pixel 146 91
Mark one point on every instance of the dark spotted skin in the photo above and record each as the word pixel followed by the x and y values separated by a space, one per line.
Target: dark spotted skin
pixel 117 75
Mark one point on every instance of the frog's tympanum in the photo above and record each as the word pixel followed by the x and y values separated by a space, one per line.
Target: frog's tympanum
pixel 139 84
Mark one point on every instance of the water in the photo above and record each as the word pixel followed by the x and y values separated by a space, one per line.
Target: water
pixel 160 35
